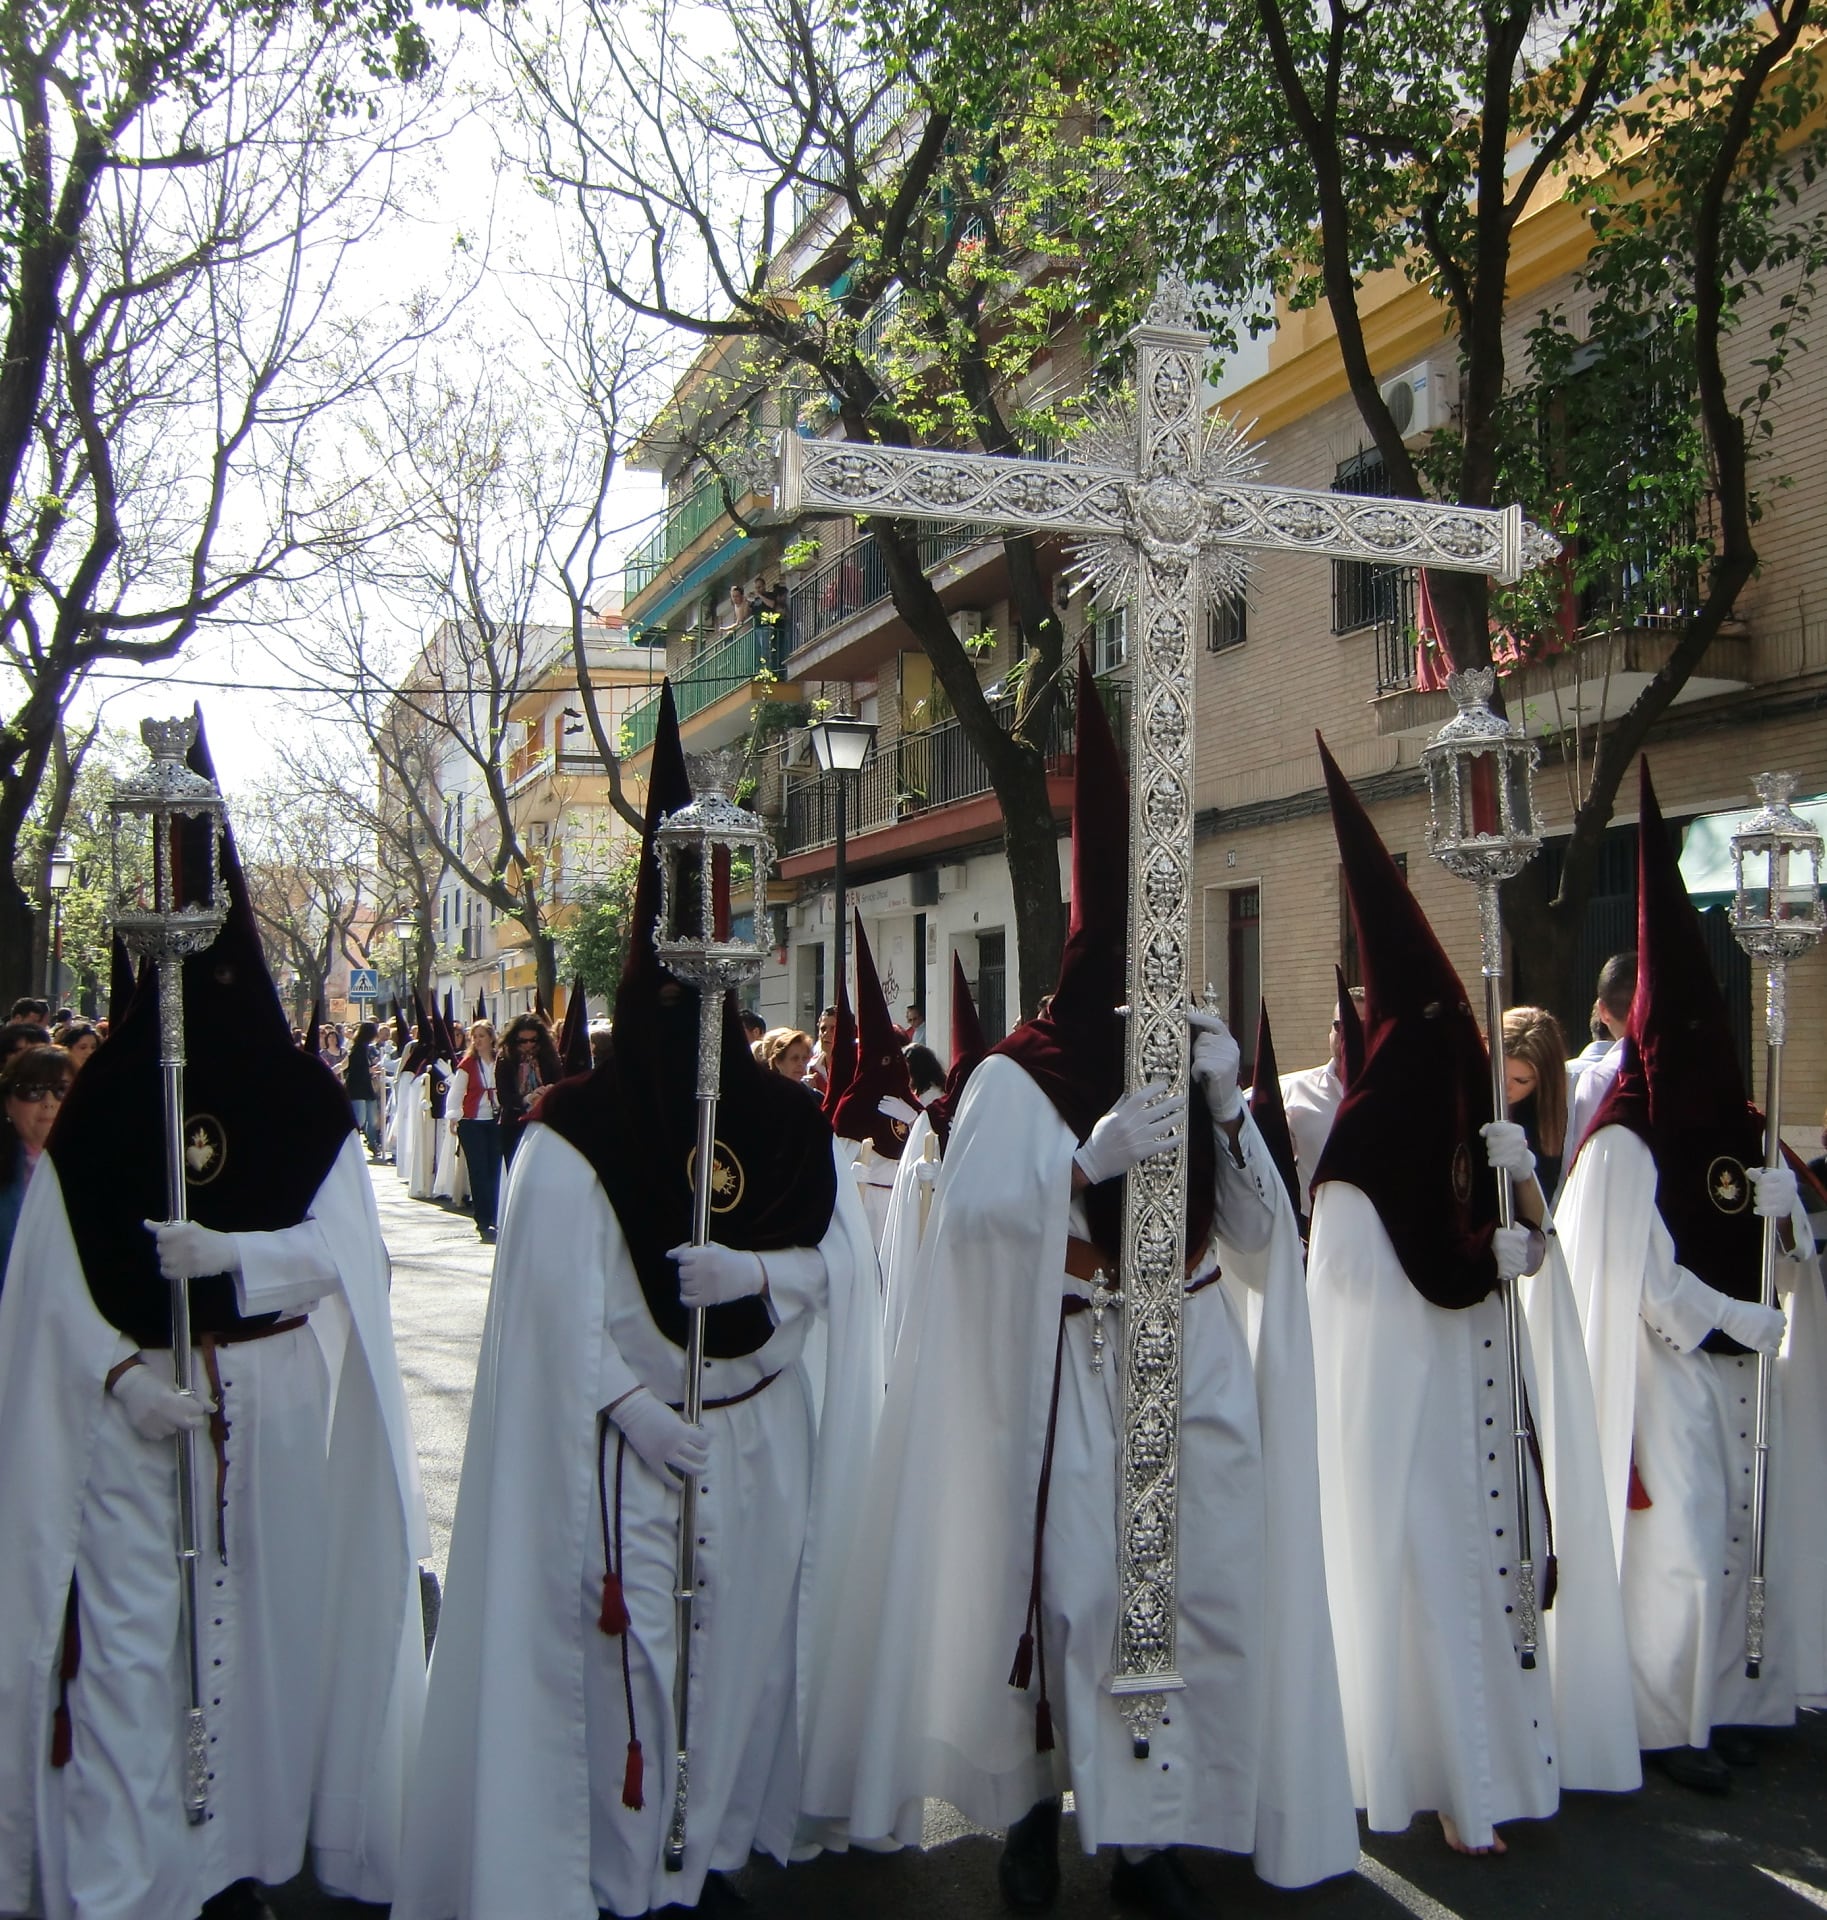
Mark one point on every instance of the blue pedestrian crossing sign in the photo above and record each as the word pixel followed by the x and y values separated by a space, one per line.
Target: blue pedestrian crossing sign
pixel 364 983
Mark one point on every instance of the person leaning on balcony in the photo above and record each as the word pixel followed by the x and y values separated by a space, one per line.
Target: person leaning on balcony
pixel 735 609
pixel 475 1119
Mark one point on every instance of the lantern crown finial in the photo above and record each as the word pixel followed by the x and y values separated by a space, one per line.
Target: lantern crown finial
pixel 1775 790
pixel 169 739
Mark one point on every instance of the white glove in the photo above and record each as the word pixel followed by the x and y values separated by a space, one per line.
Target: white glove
pixel 155 1408
pixel 1775 1190
pixel 1506 1147
pixel 1139 1126
pixel 712 1276
pixel 1511 1246
pixel 187 1250
pixel 659 1436
pixel 1753 1325
pixel 1216 1062
pixel 927 1172
pixel 896 1108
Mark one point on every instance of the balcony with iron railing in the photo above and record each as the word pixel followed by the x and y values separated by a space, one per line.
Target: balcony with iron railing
pixel 855 579
pixel 1618 633
pixel 724 667
pixel 920 774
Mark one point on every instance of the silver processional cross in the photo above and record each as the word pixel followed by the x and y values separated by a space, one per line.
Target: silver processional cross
pixel 1164 511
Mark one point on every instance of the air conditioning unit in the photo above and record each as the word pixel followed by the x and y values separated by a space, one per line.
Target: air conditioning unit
pixel 1422 398
pixel 954 879
pixel 924 889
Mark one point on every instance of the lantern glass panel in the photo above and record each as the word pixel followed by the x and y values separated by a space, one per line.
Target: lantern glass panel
pixel 1480 778
pixel 1521 812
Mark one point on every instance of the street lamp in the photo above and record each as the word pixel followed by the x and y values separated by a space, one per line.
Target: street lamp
pixel 62 871
pixel 840 745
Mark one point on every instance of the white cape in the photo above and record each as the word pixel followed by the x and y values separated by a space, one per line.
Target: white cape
pixel 1419 1503
pixel 900 1244
pixel 503 1809
pixel 913 1700
pixel 1644 1315
pixel 55 1351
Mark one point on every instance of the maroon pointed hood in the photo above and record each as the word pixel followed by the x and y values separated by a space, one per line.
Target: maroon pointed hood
pixel 1074 1051
pixel 1407 1134
pixel 574 1036
pixel 1678 1085
pixel 840 1063
pixel 1270 1115
pixel 1351 1032
pixel 881 1068
pixel 968 1048
pixel 635 1117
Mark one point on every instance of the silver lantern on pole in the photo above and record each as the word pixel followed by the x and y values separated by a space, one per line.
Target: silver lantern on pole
pixel 1777 917
pixel 166 825
pixel 1481 826
pixel 714 858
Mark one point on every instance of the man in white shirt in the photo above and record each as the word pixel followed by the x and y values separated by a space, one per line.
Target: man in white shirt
pixel 1617 988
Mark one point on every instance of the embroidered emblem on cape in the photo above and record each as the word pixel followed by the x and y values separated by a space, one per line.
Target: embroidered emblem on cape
pixel 1462 1173
pixel 898 1128
pixel 728 1181
pixel 1728 1186
pixel 205 1149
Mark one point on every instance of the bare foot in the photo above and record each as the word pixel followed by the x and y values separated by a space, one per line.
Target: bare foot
pixel 1458 1846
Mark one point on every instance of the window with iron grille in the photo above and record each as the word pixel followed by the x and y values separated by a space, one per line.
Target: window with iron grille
pixel 1226 622
pixel 1363 595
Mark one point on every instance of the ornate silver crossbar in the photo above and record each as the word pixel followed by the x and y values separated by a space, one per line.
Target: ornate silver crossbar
pixel 1164 512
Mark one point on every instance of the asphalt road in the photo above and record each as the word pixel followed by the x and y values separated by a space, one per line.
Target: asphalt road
pixel 1661 1852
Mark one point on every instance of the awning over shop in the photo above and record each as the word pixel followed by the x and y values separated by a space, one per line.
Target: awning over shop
pixel 1706 849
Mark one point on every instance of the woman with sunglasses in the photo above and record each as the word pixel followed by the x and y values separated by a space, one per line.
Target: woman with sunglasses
pixel 32 1086
pixel 529 1064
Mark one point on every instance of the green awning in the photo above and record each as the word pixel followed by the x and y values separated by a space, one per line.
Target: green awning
pixel 1706 850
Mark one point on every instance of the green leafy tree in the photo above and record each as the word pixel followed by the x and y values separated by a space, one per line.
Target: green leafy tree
pixel 595 939
pixel 880 220
pixel 1286 150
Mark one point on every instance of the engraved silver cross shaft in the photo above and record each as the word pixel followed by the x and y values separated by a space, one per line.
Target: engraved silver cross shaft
pixel 1156 499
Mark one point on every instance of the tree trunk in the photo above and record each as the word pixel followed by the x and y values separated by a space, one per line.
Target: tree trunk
pixel 545 964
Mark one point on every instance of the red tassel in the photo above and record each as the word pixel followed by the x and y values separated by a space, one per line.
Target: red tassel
pixel 1637 1500
pixel 1043 1728
pixel 613 1620
pixel 1023 1670
pixel 62 1738
pixel 631 1778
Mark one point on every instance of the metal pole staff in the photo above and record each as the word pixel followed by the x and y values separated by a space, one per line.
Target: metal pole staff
pixel 698 848
pixel 1481 826
pixel 1777 916
pixel 685 1580
pixel 170 797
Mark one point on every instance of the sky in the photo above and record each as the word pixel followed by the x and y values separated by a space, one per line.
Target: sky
pixel 251 692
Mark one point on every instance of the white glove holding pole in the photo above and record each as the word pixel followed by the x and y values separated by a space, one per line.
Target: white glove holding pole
pixel 1217 1061
pixel 1775 1191
pixel 155 1409
pixel 1753 1325
pixel 1511 1246
pixel 668 1444
pixel 1140 1125
pixel 1506 1147
pixel 713 1276
pixel 927 1172
pixel 188 1251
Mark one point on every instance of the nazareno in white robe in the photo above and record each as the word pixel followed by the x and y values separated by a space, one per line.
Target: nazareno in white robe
pixel 913 1699
pixel 1416 1467
pixel 516 1810
pixel 404 1112
pixel 312 1642
pixel 424 1124
pixel 1688 1415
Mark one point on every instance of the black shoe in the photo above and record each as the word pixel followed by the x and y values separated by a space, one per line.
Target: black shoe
pixel 1699 1769
pixel 1158 1884
pixel 1028 1872
pixel 1737 1746
pixel 245 1900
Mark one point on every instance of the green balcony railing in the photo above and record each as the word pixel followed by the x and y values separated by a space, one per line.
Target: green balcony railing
pixel 720 669
pixel 700 510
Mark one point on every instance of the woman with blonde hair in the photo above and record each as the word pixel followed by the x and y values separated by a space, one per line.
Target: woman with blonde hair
pixel 473 1109
pixel 785 1050
pixel 1535 1086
